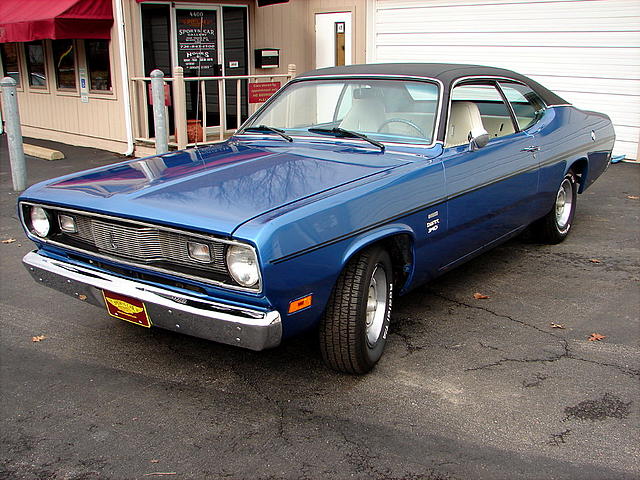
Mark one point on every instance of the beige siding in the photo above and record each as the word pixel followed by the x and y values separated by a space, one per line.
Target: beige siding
pixel 291 28
pixel 60 115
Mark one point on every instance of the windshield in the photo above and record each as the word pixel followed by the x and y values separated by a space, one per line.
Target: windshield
pixel 384 110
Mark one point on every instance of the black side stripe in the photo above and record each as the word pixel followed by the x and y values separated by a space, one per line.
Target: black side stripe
pixel 431 204
pixel 359 231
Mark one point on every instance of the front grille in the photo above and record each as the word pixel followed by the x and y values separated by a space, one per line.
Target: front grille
pixel 144 244
pixel 131 243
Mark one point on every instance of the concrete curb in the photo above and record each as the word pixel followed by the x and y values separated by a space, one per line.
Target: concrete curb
pixel 42 152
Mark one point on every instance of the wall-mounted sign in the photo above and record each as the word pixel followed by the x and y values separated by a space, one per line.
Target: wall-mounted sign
pixel 340 46
pixel 267 57
pixel 84 85
pixel 261 92
pixel 197 42
pixel 167 95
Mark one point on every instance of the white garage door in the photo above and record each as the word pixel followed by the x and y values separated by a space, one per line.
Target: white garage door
pixel 587 51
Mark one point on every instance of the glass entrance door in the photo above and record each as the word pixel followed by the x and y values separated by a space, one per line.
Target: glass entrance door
pixel 198 53
pixel 206 41
pixel 156 49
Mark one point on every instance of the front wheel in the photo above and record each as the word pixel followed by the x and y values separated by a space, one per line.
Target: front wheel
pixel 353 330
pixel 555 226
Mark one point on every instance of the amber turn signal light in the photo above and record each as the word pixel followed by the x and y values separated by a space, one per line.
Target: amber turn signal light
pixel 297 305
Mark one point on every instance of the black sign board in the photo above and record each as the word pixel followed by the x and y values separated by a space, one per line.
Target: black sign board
pixel 197 42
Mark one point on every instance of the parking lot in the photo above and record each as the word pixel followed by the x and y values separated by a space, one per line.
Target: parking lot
pixel 508 386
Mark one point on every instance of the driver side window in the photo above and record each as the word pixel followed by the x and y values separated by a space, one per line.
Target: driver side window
pixel 476 106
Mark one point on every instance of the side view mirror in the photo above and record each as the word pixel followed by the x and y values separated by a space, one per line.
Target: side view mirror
pixel 478 138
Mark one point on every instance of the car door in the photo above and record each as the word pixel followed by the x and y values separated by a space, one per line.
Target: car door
pixel 529 109
pixel 489 189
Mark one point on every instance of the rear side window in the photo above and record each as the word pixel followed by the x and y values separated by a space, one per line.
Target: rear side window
pixel 526 103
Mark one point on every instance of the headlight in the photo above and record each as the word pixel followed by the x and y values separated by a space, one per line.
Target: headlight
pixel 243 265
pixel 40 223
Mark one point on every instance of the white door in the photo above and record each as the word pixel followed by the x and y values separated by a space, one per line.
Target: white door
pixel 333 39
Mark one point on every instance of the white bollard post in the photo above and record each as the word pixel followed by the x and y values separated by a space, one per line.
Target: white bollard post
pixel 159 119
pixel 14 134
pixel 180 108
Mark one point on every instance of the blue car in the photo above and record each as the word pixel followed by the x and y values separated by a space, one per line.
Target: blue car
pixel 350 186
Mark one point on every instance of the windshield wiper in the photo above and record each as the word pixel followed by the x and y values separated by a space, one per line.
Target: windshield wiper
pixel 347 133
pixel 266 128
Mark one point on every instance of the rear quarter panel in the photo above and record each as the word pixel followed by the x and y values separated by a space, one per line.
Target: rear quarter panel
pixel 564 135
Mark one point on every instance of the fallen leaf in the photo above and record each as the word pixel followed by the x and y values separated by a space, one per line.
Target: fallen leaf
pixel 38 338
pixel 557 325
pixel 596 337
pixel 633 197
pixel 82 297
pixel 154 461
pixel 9 240
pixel 595 260
pixel 480 296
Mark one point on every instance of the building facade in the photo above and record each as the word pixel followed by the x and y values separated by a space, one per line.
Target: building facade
pixel 84 79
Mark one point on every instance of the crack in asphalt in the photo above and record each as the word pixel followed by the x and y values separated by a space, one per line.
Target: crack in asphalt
pixel 240 373
pixel 408 344
pixel 361 457
pixel 559 438
pixel 566 353
pixel 535 383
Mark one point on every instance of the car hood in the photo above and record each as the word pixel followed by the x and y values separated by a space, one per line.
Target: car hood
pixel 216 188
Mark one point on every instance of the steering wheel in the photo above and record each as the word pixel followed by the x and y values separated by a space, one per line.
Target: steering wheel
pixel 406 122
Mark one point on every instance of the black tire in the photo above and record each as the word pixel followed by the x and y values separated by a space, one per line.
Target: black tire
pixel 345 339
pixel 555 226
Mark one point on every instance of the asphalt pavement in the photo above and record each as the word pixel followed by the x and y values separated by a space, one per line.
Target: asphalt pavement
pixel 467 388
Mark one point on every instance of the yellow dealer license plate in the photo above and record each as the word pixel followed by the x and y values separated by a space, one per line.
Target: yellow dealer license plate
pixel 126 308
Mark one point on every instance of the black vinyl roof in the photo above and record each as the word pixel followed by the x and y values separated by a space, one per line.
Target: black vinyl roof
pixel 447 73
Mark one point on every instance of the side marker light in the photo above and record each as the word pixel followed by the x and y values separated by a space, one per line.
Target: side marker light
pixel 299 304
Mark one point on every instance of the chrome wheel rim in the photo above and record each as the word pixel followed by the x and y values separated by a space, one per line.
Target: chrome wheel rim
pixel 564 204
pixel 376 305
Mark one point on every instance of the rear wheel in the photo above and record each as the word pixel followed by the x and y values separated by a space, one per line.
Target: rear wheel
pixel 555 226
pixel 353 330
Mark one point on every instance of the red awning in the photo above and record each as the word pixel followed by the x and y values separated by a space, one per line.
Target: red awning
pixel 27 20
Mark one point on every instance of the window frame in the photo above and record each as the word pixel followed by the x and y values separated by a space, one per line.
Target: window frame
pixel 92 91
pixel 438 117
pixel 515 118
pixel 20 82
pixel 76 68
pixel 45 61
pixel 487 82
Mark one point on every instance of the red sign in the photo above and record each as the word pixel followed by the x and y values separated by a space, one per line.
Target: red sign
pixel 126 308
pixel 260 92
pixel 167 95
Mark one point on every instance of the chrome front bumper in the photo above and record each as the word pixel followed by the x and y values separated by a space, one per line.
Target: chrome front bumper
pixel 191 315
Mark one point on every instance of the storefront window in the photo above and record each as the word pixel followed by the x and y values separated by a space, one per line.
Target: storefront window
pixel 98 65
pixel 10 64
pixel 64 63
pixel 34 52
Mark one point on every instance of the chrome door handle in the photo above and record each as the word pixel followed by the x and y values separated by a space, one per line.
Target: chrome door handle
pixel 532 148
